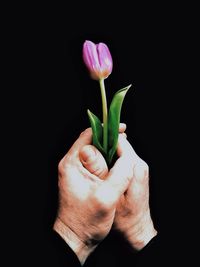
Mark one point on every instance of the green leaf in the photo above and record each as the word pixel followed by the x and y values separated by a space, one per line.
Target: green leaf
pixel 114 120
pixel 97 131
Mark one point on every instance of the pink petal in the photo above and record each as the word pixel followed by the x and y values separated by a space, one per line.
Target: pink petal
pixel 105 59
pixel 90 57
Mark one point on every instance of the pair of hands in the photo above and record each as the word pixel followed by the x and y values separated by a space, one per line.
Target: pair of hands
pixel 93 199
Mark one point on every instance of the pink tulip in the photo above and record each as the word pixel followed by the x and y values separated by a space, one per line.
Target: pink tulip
pixel 98 60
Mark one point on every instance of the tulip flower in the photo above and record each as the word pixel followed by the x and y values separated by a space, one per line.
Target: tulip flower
pixel 98 61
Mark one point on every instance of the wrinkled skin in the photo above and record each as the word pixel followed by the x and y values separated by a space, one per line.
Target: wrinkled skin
pixel 92 199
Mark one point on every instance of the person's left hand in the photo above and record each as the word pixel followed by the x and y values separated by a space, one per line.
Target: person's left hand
pixel 132 216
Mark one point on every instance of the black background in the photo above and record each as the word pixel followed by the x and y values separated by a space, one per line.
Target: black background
pixel 50 90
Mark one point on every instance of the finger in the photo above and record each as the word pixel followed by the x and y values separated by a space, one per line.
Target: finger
pixel 124 148
pixel 122 127
pixel 93 161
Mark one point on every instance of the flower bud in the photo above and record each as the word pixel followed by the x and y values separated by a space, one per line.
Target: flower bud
pixel 98 60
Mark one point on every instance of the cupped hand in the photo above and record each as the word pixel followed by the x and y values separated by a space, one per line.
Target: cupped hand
pixel 87 201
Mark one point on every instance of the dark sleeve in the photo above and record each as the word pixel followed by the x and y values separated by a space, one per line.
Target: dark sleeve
pixel 59 253
pixel 150 255
pixel 115 251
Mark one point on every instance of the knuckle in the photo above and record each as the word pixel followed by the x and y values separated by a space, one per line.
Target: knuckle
pixel 142 171
pixel 60 167
pixel 99 171
pixel 87 131
pixel 102 173
pixel 144 166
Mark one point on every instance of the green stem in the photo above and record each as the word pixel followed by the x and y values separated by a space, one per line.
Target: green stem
pixel 105 115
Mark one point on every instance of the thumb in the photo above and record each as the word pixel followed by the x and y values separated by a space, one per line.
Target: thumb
pixel 93 161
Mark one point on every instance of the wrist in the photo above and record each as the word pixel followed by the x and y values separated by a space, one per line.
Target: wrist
pixel 140 233
pixel 81 248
